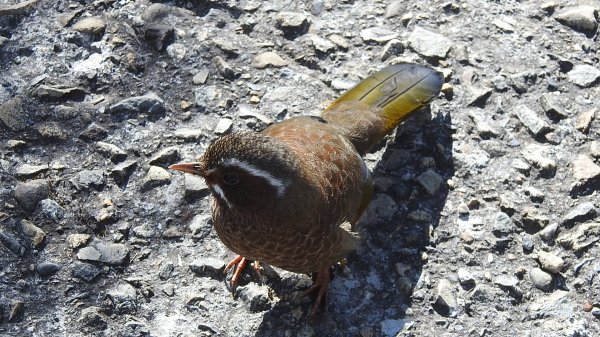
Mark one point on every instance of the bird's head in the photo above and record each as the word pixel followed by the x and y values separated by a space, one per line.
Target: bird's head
pixel 244 169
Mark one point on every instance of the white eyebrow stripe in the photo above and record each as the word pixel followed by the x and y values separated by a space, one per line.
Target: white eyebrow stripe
pixel 220 194
pixel 275 182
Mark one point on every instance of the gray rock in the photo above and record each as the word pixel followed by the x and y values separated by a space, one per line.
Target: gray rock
pixel 394 8
pixel 486 127
pixel 539 156
pixel 29 194
pixel 342 84
pixel 144 231
pixel 445 300
pixel 93 132
pixel 503 225
pixel 527 244
pixel 200 77
pixel 169 155
pixel 269 59
pixel 156 12
pixel 35 234
pixel 123 298
pixel 581 18
pixel 46 269
pixel 177 51
pixel 200 226
pixel 291 20
pixel 93 317
pixel 189 134
pixel 28 171
pixel 595 149
pixel 321 45
pixel 51 131
pixel 78 240
pixel 52 210
pixel 89 254
pixel 535 218
pixel 377 34
pixel 580 213
pixel 13 115
pixel 115 153
pixel 429 44
pixel 113 253
pixel 195 186
pixel 121 172
pixel 557 304
pixel 392 327
pixel 85 271
pixel 540 279
pixel 382 208
pixel 206 96
pixel 465 277
pixel 584 75
pixel 584 169
pixel 90 179
pixel 245 111
pixel 431 181
pixel 149 104
pixel 91 25
pixel 553 106
pixel 223 126
pixel 16 311
pixel 257 296
pixel 551 262
pixel 506 281
pixel 581 237
pixel 505 26
pixel 168 289
pixel 159 35
pixel 155 177
pixel 549 232
pixel 207 267
pixel 11 243
pixel 224 69
pixel 584 120
pixel 477 96
pixel 392 48
pixel 531 120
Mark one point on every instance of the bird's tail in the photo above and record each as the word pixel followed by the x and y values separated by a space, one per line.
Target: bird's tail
pixel 376 105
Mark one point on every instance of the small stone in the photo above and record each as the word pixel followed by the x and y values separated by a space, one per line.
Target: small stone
pixel 431 181
pixel 394 327
pixel 245 111
pixel 291 20
pixel 89 254
pixel 78 240
pixel 540 279
pixel 51 131
pixel 584 120
pixel 46 269
pixel 580 213
pixel 549 232
pixel 322 45
pixel 159 35
pixel 156 12
pixel 15 144
pixel 11 243
pixel 155 177
pixel 581 237
pixel 503 225
pixel 93 132
pixel 257 296
pixel 531 120
pixel 91 25
pixel 200 77
pixel 340 41
pixel 12 114
pixel 503 25
pixel 527 244
pixel 29 194
pixel 123 298
pixel 477 96
pixel 90 179
pixel 113 253
pixel 34 233
pixel 52 210
pixel 166 156
pixel 485 126
pixel 269 59
pixel 581 18
pixel 378 34
pixel 17 310
pixel 445 302
pixel 177 51
pixel 392 48
pixel 557 304
pixel 539 155
pixel 93 317
pixel 394 8
pixel 149 104
pixel 382 208
pixel 534 218
pixel 551 262
pixel 342 84
pixel 195 186
pixel 168 289
pixel 115 153
pixel 584 169
pixel 465 277
pixel 595 312
pixel 595 149
pixel 223 126
pixel 553 106
pixel 207 267
pixel 85 271
pixel 28 171
pixel 429 44
pixel 189 134
pixel 224 68
pixel 506 281
pixel 584 75
pixel 121 172
pixel 200 226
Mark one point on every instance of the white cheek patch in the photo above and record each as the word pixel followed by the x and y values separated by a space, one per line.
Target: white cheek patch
pixel 220 194
pixel 278 184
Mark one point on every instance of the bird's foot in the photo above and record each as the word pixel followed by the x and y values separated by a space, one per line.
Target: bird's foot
pixel 239 262
pixel 320 286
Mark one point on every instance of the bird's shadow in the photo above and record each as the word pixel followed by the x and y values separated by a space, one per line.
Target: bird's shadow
pixel 382 279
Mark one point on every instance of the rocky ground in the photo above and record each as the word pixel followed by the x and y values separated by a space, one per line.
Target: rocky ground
pixel 485 218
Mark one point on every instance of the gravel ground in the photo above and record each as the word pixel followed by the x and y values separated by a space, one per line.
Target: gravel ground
pixel 485 217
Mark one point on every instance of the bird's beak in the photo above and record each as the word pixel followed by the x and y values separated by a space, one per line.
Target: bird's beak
pixel 193 168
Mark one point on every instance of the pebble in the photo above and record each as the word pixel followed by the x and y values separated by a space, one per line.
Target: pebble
pixel 342 84
pixel 550 262
pixel 539 155
pixel 30 193
pixel 195 186
pixel 155 177
pixel 91 25
pixel 485 126
pixel 531 120
pixel 28 171
pixel 159 35
pixel 177 51
pixel 552 105
pixel 445 301
pixel 165 157
pixel 93 132
pixel 431 181
pixel 123 298
pixel 121 172
pixel 35 234
pixel 429 44
pixel 584 75
pixel 189 134
pixel 113 152
pixel 548 233
pixel 12 243
pixel 557 304
pixel 291 20
pixel 269 59
pixel 245 111
pixel 168 289
pixel 580 213
pixel 535 218
pixel 527 244
pixel 78 240
pixel 382 208
pixel 207 267
pixel 339 41
pixel 111 254
pixel 378 34
pixel 200 226
pixel 93 317
pixel 224 69
pixel 580 237
pixel 392 48
pixel 12 114
pixel 90 179
pixel 540 279
pixel 478 95
pixel 257 296
pixel 150 104
pixel 581 18
pixel 224 125
pixel 584 120
pixel 156 12
pixel 595 149
pixel 584 169
pixel 466 278
pixel 17 311
pixel 322 45
pixel 503 225
pixel 393 327
pixel 52 210
pixel 85 271
pixel 200 77
pixel 506 281
pixel 46 269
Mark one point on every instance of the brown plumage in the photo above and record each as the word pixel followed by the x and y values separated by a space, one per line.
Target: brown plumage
pixel 281 196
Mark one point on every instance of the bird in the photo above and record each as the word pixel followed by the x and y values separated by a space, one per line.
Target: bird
pixel 291 194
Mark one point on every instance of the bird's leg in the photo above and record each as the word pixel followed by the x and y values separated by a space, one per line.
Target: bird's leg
pixel 320 285
pixel 239 262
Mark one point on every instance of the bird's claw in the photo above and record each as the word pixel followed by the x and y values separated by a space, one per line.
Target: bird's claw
pixel 238 264
pixel 320 286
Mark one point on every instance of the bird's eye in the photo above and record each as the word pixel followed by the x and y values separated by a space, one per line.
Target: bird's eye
pixel 230 179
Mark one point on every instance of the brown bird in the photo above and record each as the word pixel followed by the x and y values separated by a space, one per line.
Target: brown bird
pixel 283 195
